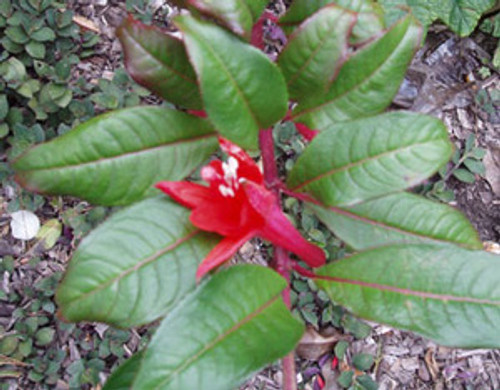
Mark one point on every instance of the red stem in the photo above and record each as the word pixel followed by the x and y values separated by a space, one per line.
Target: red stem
pixel 266 144
pixel 282 263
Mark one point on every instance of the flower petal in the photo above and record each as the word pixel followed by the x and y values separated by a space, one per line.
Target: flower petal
pixel 247 168
pixel 221 253
pixel 186 193
pixel 278 229
pixel 306 131
pixel 226 216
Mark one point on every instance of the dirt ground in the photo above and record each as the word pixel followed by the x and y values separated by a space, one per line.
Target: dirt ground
pixel 444 80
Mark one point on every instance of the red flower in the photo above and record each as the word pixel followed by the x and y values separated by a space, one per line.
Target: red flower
pixel 238 206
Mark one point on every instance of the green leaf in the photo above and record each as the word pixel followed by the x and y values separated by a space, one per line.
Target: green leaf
pixel 146 257
pixel 366 382
pixel 44 336
pixel 13 70
pixel 316 51
pixel 4 106
pixel 460 15
pixel 368 80
pixel 228 328
pixel 5 8
pixel 363 361
pixel 398 218
pixel 123 377
pixel 345 379
pixel 116 158
pixel 159 62
pixel 242 90
pixel 299 11
pixel 105 100
pixel 17 35
pixel 464 175
pixel 496 57
pixel 4 129
pixel 475 166
pixel 478 153
pixel 43 35
pixel 35 49
pixel 8 345
pixel 11 46
pixel 370 19
pixel 238 15
pixel 369 16
pixel 445 293
pixel 355 161
pixel 340 349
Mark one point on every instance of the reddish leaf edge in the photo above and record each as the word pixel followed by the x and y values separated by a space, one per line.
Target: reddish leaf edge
pixel 131 21
pixel 345 49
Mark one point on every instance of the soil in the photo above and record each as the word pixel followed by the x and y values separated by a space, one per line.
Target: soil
pixel 444 81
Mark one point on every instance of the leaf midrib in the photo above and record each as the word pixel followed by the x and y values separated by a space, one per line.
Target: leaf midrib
pixel 405 291
pixel 348 166
pixel 232 80
pixel 219 338
pixel 118 156
pixel 148 260
pixel 315 51
pixel 394 228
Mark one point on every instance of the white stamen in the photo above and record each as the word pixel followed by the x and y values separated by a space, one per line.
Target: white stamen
pixel 230 169
pixel 226 191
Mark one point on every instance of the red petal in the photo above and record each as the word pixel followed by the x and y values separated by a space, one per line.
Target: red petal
pixel 306 132
pixel 278 229
pixel 247 167
pixel 222 252
pixel 186 193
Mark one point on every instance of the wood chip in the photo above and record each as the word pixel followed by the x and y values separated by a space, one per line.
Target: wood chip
pixel 430 361
pixel 313 345
pixel 86 24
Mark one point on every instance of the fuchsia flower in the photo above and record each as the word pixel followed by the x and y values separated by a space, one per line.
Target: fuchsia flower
pixel 237 206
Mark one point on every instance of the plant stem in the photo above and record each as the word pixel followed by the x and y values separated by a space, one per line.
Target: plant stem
pixel 282 263
pixel 266 143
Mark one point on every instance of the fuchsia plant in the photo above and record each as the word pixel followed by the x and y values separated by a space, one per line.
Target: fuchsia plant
pixel 416 264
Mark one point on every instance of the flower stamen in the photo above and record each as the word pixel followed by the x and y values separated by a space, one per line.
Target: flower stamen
pixel 226 191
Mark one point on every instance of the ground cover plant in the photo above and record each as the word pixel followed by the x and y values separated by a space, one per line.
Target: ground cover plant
pixel 417 264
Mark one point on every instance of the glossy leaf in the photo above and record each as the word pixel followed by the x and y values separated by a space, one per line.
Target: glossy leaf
pixel 116 158
pixel 242 90
pixel 134 267
pixel 445 293
pixel 460 15
pixel 355 161
pixel 123 377
pixel 230 327
pixel 368 80
pixel 398 218
pixel 238 15
pixel 369 19
pixel 316 51
pixel 299 11
pixel 159 62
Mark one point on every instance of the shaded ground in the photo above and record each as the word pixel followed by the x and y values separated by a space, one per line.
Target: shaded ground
pixel 445 80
